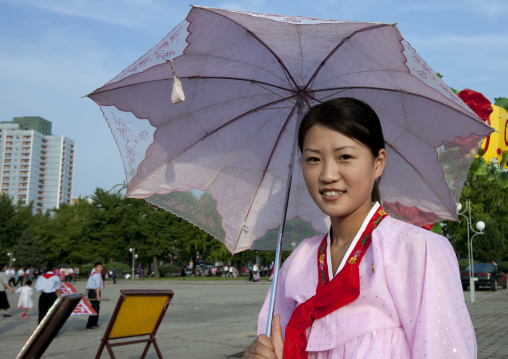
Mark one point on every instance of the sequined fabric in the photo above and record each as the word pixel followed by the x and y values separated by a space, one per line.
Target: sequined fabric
pixel 411 303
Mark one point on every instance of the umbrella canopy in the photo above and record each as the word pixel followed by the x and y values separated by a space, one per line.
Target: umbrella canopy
pixel 221 158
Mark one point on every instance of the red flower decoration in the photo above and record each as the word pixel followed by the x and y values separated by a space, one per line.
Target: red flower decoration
pixel 477 102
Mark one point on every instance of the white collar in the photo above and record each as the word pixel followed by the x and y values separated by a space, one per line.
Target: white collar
pixel 351 246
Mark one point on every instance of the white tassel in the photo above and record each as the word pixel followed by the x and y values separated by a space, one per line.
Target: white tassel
pixel 177 94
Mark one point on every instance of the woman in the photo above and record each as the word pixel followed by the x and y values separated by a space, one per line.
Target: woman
pixel 4 283
pixel 373 287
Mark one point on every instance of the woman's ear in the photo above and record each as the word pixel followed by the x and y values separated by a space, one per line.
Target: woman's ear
pixel 380 162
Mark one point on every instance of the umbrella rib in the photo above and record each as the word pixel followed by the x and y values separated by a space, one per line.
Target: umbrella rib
pixel 402 91
pixel 191 78
pixel 236 79
pixel 208 134
pixel 268 163
pixel 313 77
pixel 419 175
pixel 279 60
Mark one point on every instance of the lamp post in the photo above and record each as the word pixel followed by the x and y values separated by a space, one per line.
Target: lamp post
pixel 480 226
pixel 134 256
pixel 11 259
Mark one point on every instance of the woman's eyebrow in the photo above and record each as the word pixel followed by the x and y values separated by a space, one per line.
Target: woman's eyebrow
pixel 334 150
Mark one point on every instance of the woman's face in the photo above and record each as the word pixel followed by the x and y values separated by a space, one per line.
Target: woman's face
pixel 339 171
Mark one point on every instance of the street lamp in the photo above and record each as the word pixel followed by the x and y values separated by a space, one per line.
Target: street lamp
pixel 480 226
pixel 134 256
pixel 11 259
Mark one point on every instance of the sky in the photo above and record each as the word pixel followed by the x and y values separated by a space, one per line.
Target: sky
pixel 55 52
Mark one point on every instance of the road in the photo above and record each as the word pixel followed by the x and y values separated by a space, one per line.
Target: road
pixel 213 319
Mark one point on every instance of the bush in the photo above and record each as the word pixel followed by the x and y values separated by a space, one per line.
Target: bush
pixel 168 271
pixel 464 263
pixel 85 270
pixel 121 267
pixel 503 266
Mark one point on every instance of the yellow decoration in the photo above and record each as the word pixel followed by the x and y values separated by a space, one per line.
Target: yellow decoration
pixel 496 142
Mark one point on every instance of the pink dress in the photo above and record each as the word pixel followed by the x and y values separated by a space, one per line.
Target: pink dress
pixel 411 303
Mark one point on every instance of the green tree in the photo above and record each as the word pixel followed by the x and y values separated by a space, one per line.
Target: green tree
pixel 501 102
pixel 63 234
pixel 7 229
pixel 486 189
pixel 151 230
pixel 29 251
pixel 105 225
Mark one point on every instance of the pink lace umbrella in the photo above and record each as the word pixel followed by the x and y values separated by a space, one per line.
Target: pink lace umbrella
pixel 221 158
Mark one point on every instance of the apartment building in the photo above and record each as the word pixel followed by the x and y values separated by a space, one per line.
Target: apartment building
pixel 34 164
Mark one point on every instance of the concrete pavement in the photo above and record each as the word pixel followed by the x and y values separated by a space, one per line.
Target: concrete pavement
pixel 488 313
pixel 214 319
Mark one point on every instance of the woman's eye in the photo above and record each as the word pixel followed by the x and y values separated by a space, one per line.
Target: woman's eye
pixel 312 159
pixel 345 157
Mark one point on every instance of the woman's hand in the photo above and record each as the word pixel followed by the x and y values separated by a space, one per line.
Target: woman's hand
pixel 263 347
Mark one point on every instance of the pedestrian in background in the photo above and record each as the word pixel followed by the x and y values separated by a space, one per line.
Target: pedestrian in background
pixel 48 285
pixel 25 301
pixel 11 276
pixel 94 288
pixel 76 273
pixel 114 274
pixel 15 276
pixel 21 276
pixel 29 273
pixel 4 283
pixel 71 274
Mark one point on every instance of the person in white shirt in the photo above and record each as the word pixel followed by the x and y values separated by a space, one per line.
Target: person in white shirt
pixel 94 288
pixel 49 286
pixel 4 283
pixel 21 276
pixel 255 273
pixel 70 273
pixel 11 274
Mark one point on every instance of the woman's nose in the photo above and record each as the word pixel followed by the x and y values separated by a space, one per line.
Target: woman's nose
pixel 330 172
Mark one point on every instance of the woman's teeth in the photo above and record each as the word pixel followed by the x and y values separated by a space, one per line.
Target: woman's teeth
pixel 332 193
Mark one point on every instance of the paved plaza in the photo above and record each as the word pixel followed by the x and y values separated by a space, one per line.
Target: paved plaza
pixel 213 319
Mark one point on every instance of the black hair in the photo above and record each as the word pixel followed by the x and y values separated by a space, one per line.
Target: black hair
pixel 28 282
pixel 50 266
pixel 97 264
pixel 351 117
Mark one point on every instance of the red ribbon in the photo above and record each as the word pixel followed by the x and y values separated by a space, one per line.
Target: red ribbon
pixel 343 289
pixel 48 275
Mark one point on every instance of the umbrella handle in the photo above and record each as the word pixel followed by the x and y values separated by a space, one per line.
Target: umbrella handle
pixel 278 252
